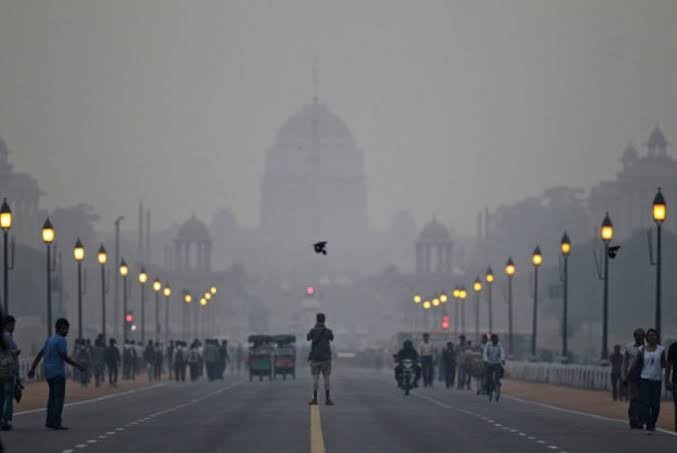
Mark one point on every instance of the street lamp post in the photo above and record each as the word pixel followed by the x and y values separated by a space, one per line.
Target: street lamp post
pixel 167 291
pixel 462 294
pixel 157 287
pixel 457 297
pixel 6 225
pixel 536 260
pixel 200 315
pixel 79 256
pixel 659 212
pixel 489 277
pixel 565 248
pixel 607 234
pixel 187 298
pixel 143 278
pixel 477 287
pixel 510 270
pixel 116 284
pixel 207 325
pixel 102 257
pixel 48 237
pixel 124 272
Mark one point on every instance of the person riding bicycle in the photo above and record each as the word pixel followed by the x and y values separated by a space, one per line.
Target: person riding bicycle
pixel 494 359
pixel 407 352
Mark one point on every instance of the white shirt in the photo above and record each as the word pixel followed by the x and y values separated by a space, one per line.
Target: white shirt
pixel 493 354
pixel 426 349
pixel 652 363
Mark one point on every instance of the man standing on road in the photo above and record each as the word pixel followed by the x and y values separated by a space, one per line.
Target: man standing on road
pixel 460 363
pixel 320 357
pixel 426 352
pixel 448 357
pixel 54 353
pixel 671 367
pixel 633 380
pixel 112 358
pixel 9 373
pixel 616 360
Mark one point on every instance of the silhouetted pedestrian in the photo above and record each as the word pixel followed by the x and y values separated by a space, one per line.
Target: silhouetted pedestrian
pixel 55 355
pixel 632 378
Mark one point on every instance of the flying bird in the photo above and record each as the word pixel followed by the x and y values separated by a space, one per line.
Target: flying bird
pixel 320 247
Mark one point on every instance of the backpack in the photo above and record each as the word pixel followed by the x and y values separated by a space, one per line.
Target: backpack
pixel 7 364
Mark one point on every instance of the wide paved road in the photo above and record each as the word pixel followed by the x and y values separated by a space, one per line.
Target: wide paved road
pixel 370 416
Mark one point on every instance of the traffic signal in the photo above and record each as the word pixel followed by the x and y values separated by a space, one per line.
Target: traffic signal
pixel 310 291
pixel 129 318
pixel 445 322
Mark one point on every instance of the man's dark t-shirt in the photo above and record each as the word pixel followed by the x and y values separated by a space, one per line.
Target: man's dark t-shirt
pixel 320 337
pixel 672 358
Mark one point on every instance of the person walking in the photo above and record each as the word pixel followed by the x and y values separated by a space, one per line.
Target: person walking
pixel 239 357
pixel 157 362
pixel 55 355
pixel 460 363
pixel 427 352
pixel 616 360
pixel 448 362
pixel 180 361
pixel 632 379
pixel 211 357
pixel 671 367
pixel 149 359
pixel 112 359
pixel 650 360
pixel 320 357
pixel 99 361
pixel 194 360
pixel 10 380
pixel 224 358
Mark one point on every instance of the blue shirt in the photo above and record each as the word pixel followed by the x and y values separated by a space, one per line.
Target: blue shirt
pixel 52 362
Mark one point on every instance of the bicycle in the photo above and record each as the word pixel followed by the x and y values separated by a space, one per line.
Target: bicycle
pixel 495 372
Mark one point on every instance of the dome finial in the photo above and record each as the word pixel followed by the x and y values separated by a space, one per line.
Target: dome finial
pixel 315 81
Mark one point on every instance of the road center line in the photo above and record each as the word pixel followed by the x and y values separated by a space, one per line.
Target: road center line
pixel 316 438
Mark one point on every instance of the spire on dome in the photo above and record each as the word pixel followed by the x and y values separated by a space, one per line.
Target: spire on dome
pixel 657 144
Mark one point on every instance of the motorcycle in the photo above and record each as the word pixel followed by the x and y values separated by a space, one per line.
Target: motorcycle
pixel 408 375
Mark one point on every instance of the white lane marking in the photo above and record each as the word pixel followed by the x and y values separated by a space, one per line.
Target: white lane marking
pixel 93 400
pixel 171 409
pixel 575 412
pixel 491 422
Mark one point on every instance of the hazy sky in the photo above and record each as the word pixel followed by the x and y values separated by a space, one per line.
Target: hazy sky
pixel 457 104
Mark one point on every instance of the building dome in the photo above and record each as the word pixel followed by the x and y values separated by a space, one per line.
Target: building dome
pixel 434 231
pixel 630 155
pixel 315 119
pixel 657 139
pixel 314 184
pixel 193 230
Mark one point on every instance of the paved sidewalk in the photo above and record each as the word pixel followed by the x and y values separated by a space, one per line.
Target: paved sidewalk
pixel 35 393
pixel 591 401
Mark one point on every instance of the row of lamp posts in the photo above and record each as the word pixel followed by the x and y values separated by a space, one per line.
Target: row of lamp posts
pixel 659 213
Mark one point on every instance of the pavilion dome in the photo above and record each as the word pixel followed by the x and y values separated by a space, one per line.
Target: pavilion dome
pixel 193 229
pixel 657 139
pixel 434 231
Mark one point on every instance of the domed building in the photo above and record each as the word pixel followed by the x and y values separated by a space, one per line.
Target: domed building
pixel 193 246
pixel 314 184
pixel 434 249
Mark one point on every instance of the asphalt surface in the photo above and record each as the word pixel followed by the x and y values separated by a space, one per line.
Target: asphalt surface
pixel 371 415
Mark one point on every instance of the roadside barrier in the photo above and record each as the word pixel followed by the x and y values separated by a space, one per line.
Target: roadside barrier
pixel 578 376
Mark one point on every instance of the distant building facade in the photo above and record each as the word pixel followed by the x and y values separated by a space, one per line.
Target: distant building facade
pixel 23 195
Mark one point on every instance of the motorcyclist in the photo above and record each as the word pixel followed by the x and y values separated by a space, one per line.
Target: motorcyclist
pixel 407 352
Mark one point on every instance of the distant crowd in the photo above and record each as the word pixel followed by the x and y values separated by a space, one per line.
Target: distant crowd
pixel 101 360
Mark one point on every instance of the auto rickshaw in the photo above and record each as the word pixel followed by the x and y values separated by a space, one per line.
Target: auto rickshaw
pixel 285 356
pixel 261 353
